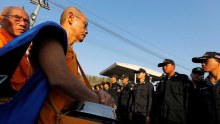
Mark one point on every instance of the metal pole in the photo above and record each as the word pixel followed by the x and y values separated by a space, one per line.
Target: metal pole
pixel 135 75
pixel 34 15
pixel 39 4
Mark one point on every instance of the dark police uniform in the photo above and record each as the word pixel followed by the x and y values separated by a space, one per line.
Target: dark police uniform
pixel 114 92
pixel 171 99
pixel 141 102
pixel 209 95
pixel 123 102
pixel 194 104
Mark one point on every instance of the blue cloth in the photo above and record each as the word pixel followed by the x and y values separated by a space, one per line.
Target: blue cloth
pixel 26 104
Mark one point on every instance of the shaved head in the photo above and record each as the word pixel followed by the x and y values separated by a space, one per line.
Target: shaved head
pixel 73 10
pixel 14 20
pixel 9 9
pixel 75 23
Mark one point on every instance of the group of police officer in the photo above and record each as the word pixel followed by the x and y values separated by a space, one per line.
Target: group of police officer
pixel 177 99
pixel 133 100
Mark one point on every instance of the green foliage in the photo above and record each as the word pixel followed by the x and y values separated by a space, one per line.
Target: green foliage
pixel 93 80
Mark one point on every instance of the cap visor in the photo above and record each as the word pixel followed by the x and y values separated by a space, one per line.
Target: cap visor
pixel 136 71
pixel 198 59
pixel 160 64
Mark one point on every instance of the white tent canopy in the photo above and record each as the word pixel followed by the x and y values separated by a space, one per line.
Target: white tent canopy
pixel 124 68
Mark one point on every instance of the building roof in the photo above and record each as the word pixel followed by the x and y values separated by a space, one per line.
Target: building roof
pixel 125 68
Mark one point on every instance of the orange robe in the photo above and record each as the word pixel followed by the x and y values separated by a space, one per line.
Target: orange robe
pixel 61 101
pixel 23 71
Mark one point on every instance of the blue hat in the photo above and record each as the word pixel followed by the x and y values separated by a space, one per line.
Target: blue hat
pixel 165 62
pixel 124 76
pixel 206 56
pixel 114 75
pixel 140 70
pixel 198 70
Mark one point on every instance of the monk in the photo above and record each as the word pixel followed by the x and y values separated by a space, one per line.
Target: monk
pixel 75 23
pixel 14 21
pixel 50 58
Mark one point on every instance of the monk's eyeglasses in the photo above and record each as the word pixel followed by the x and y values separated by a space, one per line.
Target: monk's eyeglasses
pixel 85 24
pixel 18 19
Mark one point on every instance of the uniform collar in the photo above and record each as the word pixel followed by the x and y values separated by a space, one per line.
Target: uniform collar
pixel 175 75
pixel 208 82
pixel 142 83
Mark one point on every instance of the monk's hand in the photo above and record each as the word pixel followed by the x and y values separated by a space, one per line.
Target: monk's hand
pixel 105 98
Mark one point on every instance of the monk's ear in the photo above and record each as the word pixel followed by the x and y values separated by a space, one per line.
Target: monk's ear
pixel 70 18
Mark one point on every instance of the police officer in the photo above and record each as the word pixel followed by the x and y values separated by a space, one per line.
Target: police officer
pixel 197 78
pixel 106 86
pixel 123 101
pixel 115 88
pixel 141 99
pixel 171 96
pixel 209 91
